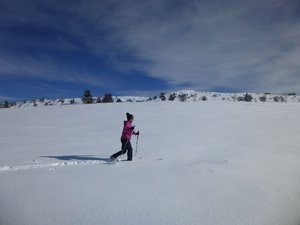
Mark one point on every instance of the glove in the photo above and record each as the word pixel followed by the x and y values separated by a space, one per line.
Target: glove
pixel 132 128
pixel 137 133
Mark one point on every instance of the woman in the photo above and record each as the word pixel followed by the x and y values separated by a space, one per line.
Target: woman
pixel 128 130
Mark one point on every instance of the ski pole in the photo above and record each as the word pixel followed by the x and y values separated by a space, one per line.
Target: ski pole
pixel 136 144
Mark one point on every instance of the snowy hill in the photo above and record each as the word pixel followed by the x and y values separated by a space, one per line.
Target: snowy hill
pixel 215 163
pixel 182 95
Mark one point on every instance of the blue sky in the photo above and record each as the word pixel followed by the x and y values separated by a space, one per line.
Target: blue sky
pixel 56 49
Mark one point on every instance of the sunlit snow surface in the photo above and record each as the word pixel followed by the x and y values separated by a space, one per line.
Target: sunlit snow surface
pixel 210 163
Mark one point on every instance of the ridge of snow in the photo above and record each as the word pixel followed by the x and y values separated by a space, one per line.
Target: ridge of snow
pixel 191 95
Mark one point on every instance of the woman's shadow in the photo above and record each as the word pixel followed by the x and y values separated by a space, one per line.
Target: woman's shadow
pixel 78 157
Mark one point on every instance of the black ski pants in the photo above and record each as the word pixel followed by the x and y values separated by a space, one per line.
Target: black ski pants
pixel 126 147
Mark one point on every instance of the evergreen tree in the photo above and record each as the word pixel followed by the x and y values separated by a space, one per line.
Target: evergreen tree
pixel 99 100
pixel 182 97
pixel 263 98
pixel 163 96
pixel 107 98
pixel 87 97
pixel 248 97
pixel 172 97
pixel 6 104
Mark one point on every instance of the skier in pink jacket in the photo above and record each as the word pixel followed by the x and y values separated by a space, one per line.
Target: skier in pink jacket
pixel 128 131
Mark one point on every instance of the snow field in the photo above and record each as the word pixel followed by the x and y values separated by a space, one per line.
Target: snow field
pixel 198 163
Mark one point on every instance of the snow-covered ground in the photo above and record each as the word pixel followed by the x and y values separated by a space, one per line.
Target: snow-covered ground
pixel 210 163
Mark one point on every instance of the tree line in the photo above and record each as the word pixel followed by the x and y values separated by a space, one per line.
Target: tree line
pixel 87 98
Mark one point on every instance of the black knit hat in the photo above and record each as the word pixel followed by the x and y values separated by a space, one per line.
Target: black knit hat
pixel 129 116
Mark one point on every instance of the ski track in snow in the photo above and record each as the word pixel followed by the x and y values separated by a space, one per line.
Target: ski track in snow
pixel 35 164
pixel 53 166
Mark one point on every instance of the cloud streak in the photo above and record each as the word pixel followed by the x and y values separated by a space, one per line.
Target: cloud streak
pixel 45 68
pixel 207 45
pixel 217 44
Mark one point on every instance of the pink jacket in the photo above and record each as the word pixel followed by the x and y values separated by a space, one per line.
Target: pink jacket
pixel 127 131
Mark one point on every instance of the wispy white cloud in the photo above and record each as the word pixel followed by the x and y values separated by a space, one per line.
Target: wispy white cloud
pixel 231 44
pixel 45 68
pixel 237 45
pixel 223 46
